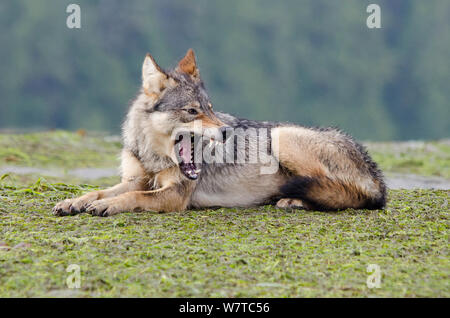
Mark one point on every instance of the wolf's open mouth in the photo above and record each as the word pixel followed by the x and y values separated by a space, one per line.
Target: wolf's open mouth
pixel 186 152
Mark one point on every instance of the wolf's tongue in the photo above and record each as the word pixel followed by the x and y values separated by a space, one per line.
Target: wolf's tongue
pixel 185 152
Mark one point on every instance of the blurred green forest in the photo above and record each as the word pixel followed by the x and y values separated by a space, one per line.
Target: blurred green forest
pixel 312 62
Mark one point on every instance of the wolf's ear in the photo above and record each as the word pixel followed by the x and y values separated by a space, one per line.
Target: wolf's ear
pixel 154 80
pixel 188 64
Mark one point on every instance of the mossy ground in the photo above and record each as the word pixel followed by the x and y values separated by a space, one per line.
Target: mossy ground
pixel 417 157
pixel 265 252
pixel 59 149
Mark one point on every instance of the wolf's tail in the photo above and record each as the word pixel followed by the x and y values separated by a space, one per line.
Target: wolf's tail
pixel 326 194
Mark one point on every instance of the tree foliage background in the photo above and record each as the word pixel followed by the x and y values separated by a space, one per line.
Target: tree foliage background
pixel 312 62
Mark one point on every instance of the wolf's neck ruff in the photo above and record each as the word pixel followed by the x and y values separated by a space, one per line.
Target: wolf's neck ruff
pixel 140 137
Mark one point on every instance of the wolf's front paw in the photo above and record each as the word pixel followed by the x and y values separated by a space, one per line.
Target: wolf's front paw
pixel 74 206
pixel 105 207
pixel 63 208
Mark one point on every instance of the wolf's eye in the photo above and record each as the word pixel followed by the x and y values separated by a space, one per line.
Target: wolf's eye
pixel 192 111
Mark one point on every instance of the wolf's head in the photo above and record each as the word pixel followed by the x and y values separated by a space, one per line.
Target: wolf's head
pixel 178 106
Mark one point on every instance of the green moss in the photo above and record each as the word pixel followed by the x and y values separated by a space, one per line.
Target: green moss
pixel 264 252
pixel 58 149
pixel 423 158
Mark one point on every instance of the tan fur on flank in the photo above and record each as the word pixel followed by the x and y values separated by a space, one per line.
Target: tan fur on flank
pixel 304 152
pixel 297 152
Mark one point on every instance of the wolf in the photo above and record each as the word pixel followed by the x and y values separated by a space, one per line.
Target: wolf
pixel 316 168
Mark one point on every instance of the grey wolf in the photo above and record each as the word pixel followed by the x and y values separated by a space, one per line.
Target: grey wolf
pixel 319 168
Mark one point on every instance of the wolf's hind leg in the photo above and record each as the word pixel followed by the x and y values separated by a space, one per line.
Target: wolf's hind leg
pixel 328 172
pixel 286 203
